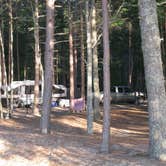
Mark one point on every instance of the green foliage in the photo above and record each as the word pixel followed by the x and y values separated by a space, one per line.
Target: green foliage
pixel 121 13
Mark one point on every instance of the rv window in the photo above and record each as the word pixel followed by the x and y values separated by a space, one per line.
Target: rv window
pixel 15 91
pixel 29 89
pixel 2 92
pixel 57 91
pixel 40 88
pixel 113 89
pixel 127 90
pixel 120 90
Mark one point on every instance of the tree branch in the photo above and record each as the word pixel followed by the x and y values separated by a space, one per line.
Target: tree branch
pixel 161 3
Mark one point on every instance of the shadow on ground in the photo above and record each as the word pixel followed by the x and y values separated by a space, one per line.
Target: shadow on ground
pixel 69 144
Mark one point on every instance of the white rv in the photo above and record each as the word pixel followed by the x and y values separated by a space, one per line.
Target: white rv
pixel 23 92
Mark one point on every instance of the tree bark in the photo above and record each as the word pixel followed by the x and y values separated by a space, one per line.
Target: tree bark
pixel 82 57
pixel 18 58
pixel 71 58
pixel 17 47
pixel 48 64
pixel 96 95
pixel 75 51
pixel 154 78
pixel 130 71
pixel 105 146
pixel 75 63
pixel 89 73
pixel 10 56
pixel 37 60
pixel 1 110
pixel 4 74
pixel 165 31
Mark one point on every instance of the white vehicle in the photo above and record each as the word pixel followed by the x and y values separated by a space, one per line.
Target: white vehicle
pixel 123 94
pixel 23 92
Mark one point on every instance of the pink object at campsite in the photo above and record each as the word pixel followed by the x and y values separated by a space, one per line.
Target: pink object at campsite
pixel 78 104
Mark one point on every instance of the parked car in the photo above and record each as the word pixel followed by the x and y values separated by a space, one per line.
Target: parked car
pixel 123 94
pixel 23 92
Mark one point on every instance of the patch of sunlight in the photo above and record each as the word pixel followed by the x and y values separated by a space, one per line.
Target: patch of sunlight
pixel 156 135
pixel 125 131
pixel 164 144
pixel 80 123
pixel 37 156
pixel 136 111
pixel 162 157
pixel 129 145
pixel 64 155
pixel 11 123
pixel 21 161
pixel 3 146
pixel 60 108
pixel 20 156
pixel 128 107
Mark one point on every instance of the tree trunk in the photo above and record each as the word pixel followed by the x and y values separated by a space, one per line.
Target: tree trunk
pixel 10 55
pixel 1 110
pixel 37 60
pixel 106 72
pixel 71 58
pixel 163 55
pixel 48 62
pixel 4 74
pixel 96 95
pixel 165 30
pixel 130 71
pixel 75 64
pixel 18 58
pixel 154 78
pixel 89 73
pixel 162 36
pixel 57 65
pixel 82 58
pixel 17 47
pixel 42 79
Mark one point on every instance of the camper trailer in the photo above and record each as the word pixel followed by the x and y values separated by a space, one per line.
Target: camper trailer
pixel 23 92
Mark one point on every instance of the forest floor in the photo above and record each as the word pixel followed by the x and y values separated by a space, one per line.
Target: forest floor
pixel 21 143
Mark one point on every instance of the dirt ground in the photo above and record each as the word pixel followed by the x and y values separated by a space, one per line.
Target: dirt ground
pixel 21 143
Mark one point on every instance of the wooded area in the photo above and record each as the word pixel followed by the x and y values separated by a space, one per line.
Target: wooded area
pixel 75 56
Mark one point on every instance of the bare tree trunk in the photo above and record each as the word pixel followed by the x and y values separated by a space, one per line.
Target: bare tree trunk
pixel 130 71
pixel 25 72
pixel 89 73
pixel 82 58
pixel 161 27
pixel 57 64
pixel 75 53
pixel 10 55
pixel 4 69
pixel 37 60
pixel 42 79
pixel 75 64
pixel 165 30
pixel 96 95
pixel 106 72
pixel 154 78
pixel 164 43
pixel 71 58
pixel 1 110
pixel 162 36
pixel 18 59
pixel 48 62
pixel 17 48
